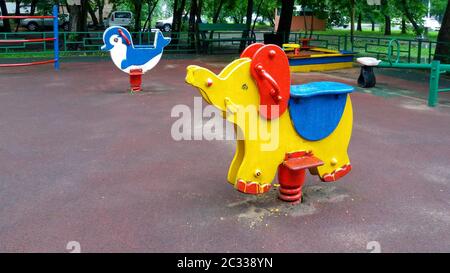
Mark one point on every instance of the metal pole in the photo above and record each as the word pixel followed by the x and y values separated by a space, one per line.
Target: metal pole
pixel 434 83
pixel 345 42
pixel 405 65
pixel 56 36
pixel 419 50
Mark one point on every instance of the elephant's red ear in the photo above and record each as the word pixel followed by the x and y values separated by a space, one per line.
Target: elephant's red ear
pixel 251 50
pixel 270 70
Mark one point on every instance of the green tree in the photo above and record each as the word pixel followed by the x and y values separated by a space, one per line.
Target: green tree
pixel 151 7
pixel 346 7
pixel 236 10
pixel 442 52
pixel 267 10
pixel 438 8
pixel 413 10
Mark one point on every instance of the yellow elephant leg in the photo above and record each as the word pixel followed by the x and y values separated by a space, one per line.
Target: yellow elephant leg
pixel 333 149
pixel 258 168
pixel 237 160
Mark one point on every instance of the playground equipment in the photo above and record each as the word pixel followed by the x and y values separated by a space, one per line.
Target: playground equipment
pixel 304 58
pixel 313 134
pixel 131 59
pixel 435 67
pixel 366 77
pixel 55 40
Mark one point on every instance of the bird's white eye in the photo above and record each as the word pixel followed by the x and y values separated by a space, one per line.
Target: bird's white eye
pixel 116 40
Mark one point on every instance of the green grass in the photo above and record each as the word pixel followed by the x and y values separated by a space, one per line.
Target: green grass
pixel 396 34
pixel 382 49
pixel 432 35
pixel 365 33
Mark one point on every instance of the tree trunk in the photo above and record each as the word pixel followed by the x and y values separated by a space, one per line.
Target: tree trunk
pixel 74 15
pixel 17 13
pixel 137 14
pixel 387 17
pixel 199 11
pixel 83 15
pixel 177 17
pixel 199 20
pixel 387 25
pixel 258 9
pixel 373 24
pixel 403 26
pixel 304 17
pixel 311 29
pixel 352 20
pixel 216 17
pixel 174 14
pixel 33 7
pixel 270 18
pixel 248 24
pixel 359 26
pixel 78 18
pixel 100 5
pixel 92 14
pixel 442 52
pixel 4 10
pixel 192 15
pixel 217 13
pixel 284 25
pixel 409 15
pixel 192 22
pixel 151 5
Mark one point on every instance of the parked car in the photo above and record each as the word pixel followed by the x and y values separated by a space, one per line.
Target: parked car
pixel 33 24
pixel 431 24
pixel 165 24
pixel 120 18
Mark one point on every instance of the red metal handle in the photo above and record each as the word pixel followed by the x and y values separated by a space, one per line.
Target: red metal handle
pixel 263 73
pixel 124 37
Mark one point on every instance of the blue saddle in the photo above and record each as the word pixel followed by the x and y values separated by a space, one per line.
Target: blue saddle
pixel 316 108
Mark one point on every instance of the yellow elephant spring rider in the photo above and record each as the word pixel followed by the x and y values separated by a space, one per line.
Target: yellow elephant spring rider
pixel 279 127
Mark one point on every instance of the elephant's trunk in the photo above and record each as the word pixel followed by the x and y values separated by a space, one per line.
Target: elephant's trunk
pixel 203 79
pixel 190 75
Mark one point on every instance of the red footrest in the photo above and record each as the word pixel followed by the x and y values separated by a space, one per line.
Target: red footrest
pixel 305 161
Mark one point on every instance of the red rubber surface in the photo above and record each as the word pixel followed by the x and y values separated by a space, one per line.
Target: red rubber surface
pixel 83 160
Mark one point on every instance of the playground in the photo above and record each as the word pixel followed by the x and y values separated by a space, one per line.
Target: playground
pixel 340 141
pixel 84 160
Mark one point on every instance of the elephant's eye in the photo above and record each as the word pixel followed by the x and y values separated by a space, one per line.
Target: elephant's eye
pixel 244 86
pixel 116 40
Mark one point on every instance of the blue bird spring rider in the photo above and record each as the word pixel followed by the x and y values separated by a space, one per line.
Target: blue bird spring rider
pixel 132 59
